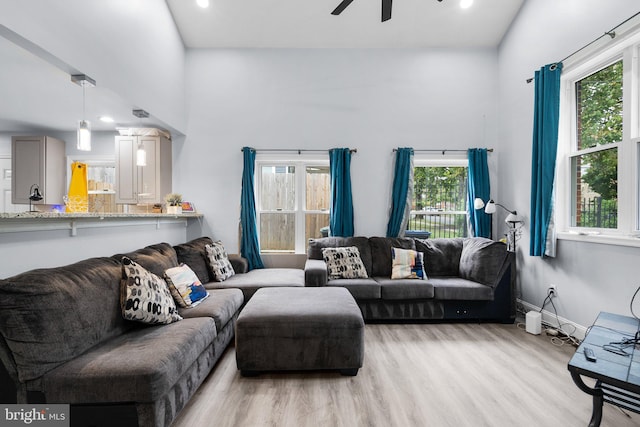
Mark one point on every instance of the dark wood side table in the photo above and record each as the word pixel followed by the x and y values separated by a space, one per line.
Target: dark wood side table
pixel 617 366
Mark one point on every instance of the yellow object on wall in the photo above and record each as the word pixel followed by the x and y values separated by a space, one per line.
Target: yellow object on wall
pixel 78 197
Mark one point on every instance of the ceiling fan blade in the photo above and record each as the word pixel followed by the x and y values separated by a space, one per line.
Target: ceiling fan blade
pixel 342 6
pixel 386 10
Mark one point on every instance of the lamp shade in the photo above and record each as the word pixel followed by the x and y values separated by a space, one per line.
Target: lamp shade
pixel 141 156
pixel 84 135
pixel 478 203
pixel 513 218
pixel 491 207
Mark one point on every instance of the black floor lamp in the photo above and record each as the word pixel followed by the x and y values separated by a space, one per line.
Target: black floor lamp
pixel 513 219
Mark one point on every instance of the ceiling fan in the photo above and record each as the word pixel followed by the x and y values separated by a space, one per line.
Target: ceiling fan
pixel 386 8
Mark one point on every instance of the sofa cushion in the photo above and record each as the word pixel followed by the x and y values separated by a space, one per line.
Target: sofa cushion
pixel 441 256
pixel 344 263
pixel 381 253
pixel 221 306
pixel 404 289
pixel 154 258
pixel 221 267
pixel 139 366
pixel 359 288
pixel 482 259
pixel 315 247
pixel 185 287
pixel 39 308
pixel 455 288
pixel 250 282
pixel 194 255
pixel 145 296
pixel 407 264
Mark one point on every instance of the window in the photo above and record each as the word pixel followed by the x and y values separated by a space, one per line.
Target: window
pixel 594 157
pixel 101 178
pixel 599 144
pixel 292 204
pixel 440 198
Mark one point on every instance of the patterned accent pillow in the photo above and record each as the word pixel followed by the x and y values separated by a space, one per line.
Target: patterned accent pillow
pixel 186 288
pixel 407 264
pixel 344 263
pixel 145 297
pixel 219 262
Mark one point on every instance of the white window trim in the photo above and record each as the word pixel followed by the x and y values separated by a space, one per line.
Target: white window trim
pixel 301 162
pixel 625 46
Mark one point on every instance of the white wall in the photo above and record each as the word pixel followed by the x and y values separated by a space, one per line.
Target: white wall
pixel 590 277
pixel 27 250
pixel 369 99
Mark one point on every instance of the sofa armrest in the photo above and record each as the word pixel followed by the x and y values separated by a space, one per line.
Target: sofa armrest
pixel 240 265
pixel 315 273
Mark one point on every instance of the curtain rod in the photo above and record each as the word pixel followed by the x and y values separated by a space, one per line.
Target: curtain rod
pixel 611 33
pixel 490 150
pixel 297 150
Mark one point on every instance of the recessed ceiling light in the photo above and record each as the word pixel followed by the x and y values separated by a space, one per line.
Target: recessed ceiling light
pixel 106 119
pixel 203 3
pixel 466 4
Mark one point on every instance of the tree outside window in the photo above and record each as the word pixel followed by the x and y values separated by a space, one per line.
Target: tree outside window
pixel 439 201
pixel 594 162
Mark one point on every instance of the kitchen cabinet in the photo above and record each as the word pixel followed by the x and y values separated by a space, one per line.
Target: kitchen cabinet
pixel 142 184
pixel 37 160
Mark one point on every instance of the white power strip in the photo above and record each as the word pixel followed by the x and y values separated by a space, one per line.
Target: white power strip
pixel 549 318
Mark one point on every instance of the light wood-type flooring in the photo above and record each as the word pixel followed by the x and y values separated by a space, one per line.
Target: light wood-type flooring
pixel 432 375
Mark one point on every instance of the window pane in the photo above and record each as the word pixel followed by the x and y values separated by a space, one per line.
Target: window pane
pixel 277 190
pixel 595 189
pixel 599 104
pixel 277 232
pixel 316 226
pixel 438 192
pixel 318 188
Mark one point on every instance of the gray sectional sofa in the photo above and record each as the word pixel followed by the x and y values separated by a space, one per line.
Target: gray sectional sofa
pixel 63 338
pixel 467 279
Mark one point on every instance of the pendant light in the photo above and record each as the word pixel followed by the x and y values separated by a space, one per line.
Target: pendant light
pixel 84 126
pixel 141 153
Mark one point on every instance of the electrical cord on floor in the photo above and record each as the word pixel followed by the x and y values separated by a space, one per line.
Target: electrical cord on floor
pixel 558 335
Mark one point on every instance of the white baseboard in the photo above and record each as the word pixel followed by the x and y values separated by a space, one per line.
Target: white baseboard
pixel 549 318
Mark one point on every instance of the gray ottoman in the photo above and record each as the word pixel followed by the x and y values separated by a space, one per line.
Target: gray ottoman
pixel 300 329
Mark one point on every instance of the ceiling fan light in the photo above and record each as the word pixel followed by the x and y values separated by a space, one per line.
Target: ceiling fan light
pixel 203 3
pixel 466 4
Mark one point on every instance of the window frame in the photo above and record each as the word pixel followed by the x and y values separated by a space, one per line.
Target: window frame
pixel 450 160
pixel 625 47
pixel 301 162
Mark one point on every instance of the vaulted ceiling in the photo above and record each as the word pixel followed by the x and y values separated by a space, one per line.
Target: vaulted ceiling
pixel 252 24
pixel 303 24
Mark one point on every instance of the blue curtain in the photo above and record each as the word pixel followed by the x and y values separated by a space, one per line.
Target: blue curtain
pixel 479 186
pixel 401 194
pixel 249 246
pixel 543 159
pixel 341 210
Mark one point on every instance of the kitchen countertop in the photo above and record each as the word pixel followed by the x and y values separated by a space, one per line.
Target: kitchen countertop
pixel 77 215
